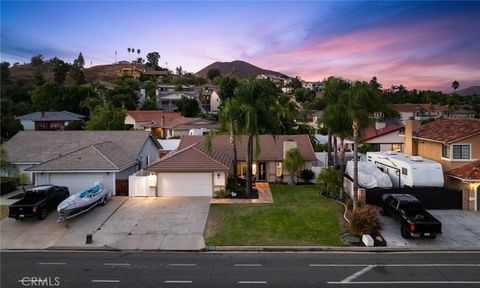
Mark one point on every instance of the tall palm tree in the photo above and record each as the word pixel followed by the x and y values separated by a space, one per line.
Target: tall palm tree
pixel 138 51
pixel 129 50
pixel 455 86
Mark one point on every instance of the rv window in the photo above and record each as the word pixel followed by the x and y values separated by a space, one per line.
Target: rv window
pixel 404 171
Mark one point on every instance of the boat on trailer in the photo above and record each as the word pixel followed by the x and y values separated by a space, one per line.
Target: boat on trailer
pixel 82 202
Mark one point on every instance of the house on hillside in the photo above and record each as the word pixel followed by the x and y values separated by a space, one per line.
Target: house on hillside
pixel 42 121
pixel 130 71
pixel 180 127
pixel 455 144
pixel 77 159
pixel 420 111
pixel 136 119
pixel 191 170
pixel 167 98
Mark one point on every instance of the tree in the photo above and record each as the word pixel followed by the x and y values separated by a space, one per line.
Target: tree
pixel 38 75
pixel 188 107
pixel 303 95
pixel 212 73
pixel 4 75
pixel 227 85
pixel 80 60
pixel 152 59
pixel 37 60
pixel 179 70
pixel 138 51
pixel 140 60
pixel 6 166
pixel 23 179
pixel 295 83
pixel 10 125
pixel 293 163
pixel 178 87
pixel 329 181
pixel 149 104
pixel 129 50
pixel 60 69
pixel 48 96
pixel 107 118
pixel 150 88
pixel 455 86
pixel 91 103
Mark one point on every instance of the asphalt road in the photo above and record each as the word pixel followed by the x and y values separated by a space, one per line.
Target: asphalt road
pixel 157 269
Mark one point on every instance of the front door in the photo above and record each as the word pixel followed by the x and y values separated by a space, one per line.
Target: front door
pixel 262 171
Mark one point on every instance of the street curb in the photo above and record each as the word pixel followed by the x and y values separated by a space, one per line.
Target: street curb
pixel 83 248
pixel 336 249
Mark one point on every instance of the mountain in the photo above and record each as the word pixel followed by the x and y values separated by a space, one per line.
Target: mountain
pixel 473 90
pixel 241 68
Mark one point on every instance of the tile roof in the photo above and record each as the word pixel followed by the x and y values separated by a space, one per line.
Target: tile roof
pixel 469 172
pixel 51 116
pixel 271 148
pixel 449 130
pixel 40 146
pixel 412 107
pixel 371 132
pixel 192 158
pixel 144 116
pixel 187 123
pixel 96 157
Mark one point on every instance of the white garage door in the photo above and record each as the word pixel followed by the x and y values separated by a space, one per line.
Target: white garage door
pixel 185 184
pixel 76 182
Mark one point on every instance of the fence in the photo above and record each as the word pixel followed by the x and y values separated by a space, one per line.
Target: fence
pixel 139 184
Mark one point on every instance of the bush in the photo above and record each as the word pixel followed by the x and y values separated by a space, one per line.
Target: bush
pixel 307 175
pixel 329 182
pixel 349 204
pixel 222 193
pixel 7 185
pixel 364 220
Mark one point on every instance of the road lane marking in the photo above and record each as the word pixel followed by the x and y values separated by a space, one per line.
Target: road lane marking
pixel 252 282
pixel 178 281
pixel 105 281
pixel 358 273
pixel 338 265
pixel 395 265
pixel 182 265
pixel 404 282
pixel 116 264
pixel 52 263
pixel 248 265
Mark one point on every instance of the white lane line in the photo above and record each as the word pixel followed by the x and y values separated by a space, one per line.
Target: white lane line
pixel 106 281
pixel 395 265
pixel 116 264
pixel 182 265
pixel 358 273
pixel 52 263
pixel 404 282
pixel 252 282
pixel 338 265
pixel 178 281
pixel 248 265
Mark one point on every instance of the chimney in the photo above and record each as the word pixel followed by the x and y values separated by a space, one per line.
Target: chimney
pixel 411 126
pixel 380 125
pixel 42 114
pixel 162 121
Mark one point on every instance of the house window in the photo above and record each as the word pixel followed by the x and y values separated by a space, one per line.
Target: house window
pixel 279 169
pixel 461 151
pixel 404 171
pixel 148 160
pixel 445 151
pixel 397 147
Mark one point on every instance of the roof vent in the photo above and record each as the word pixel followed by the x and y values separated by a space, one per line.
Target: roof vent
pixel 417 159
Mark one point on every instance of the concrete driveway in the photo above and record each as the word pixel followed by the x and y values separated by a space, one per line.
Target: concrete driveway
pixel 460 229
pixel 166 223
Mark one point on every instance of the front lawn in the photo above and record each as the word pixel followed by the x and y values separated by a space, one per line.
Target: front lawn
pixel 298 216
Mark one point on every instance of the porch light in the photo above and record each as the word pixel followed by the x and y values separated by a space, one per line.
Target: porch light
pixel 152 179
pixel 254 169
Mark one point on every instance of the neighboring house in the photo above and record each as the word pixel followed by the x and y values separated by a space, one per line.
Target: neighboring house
pixel 155 74
pixel 454 143
pixel 317 86
pixel 168 145
pixel 181 126
pixel 41 121
pixel 129 71
pixel 137 118
pixel 77 159
pixel 382 136
pixel 420 111
pixel 214 101
pixel 167 98
pixel 315 117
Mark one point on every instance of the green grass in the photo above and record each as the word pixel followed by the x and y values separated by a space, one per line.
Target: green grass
pixel 3 211
pixel 298 216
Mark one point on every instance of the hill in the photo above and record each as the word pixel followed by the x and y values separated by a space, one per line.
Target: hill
pixel 473 90
pixel 240 68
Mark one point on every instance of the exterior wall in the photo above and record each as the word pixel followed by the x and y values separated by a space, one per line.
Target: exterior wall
pixel 28 125
pixel 179 133
pixel 123 175
pixel 390 138
pixel 214 102
pixel 410 143
pixel 130 121
pixel 49 125
pixel 149 149
pixel 82 180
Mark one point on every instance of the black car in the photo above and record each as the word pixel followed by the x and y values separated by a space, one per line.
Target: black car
pixel 37 201
pixel 414 220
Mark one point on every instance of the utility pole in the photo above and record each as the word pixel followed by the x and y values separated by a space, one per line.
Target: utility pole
pixel 115 57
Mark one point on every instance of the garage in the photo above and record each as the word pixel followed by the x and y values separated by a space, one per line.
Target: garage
pixel 76 182
pixel 185 184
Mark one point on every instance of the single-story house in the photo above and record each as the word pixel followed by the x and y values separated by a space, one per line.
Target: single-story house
pixel 180 126
pixel 77 159
pixel 383 136
pixel 137 118
pixel 196 172
pixel 41 121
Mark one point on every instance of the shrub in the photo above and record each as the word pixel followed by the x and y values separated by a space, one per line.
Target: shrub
pixel 364 220
pixel 329 182
pixel 364 148
pixel 222 193
pixel 7 185
pixel 307 175
pixel 349 204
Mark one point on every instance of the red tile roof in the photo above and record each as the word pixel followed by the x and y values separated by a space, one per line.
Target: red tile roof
pixel 371 132
pixel 144 116
pixel 271 149
pixel 412 107
pixel 192 158
pixel 469 172
pixel 449 130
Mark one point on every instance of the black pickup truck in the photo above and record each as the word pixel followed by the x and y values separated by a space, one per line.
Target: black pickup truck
pixel 414 220
pixel 37 201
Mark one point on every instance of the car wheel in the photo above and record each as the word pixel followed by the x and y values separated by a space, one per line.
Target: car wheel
pixel 104 201
pixel 405 233
pixel 43 214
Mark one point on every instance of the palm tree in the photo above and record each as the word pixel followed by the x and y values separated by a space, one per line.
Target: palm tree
pixel 455 86
pixel 258 100
pixel 138 51
pixel 129 50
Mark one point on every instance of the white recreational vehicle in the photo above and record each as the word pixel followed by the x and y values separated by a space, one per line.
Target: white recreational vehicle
pixel 406 170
